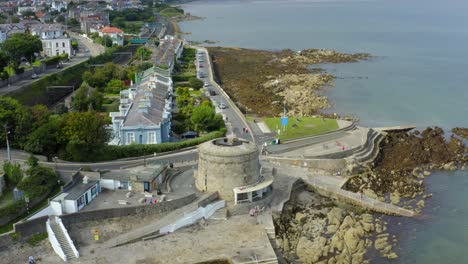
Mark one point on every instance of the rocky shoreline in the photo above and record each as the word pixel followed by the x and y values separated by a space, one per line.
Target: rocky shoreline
pixel 260 81
pixel 316 230
pixel 405 160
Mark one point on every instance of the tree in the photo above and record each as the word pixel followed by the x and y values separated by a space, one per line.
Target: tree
pixel 40 181
pixel 75 45
pixel 47 139
pixel 80 100
pixel 107 41
pixel 119 22
pixel 195 83
pixel 115 86
pixel 95 100
pixel 32 161
pixel 15 19
pixel 86 133
pixel 205 119
pixel 21 45
pixel 60 19
pixel 143 53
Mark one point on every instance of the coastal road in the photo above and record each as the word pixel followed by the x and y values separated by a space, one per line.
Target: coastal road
pixel 234 119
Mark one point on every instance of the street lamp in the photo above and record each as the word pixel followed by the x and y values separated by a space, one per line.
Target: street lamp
pixel 7 142
pixel 55 161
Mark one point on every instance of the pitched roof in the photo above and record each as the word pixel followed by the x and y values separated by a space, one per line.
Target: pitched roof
pixel 111 30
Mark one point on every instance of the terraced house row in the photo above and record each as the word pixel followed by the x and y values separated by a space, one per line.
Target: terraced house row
pixel 145 108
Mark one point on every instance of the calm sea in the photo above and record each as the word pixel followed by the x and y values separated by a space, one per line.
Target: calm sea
pixel 419 76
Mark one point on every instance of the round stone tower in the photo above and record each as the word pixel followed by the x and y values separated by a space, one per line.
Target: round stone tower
pixel 225 164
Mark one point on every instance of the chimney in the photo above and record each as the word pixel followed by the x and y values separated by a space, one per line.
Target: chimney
pixel 85 179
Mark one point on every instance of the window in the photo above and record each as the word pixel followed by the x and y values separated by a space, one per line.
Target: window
pixel 80 201
pixel 151 137
pixel 93 191
pixel 63 44
pixel 56 44
pixel 130 137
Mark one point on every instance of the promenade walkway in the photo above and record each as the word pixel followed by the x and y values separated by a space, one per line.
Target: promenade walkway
pixel 331 186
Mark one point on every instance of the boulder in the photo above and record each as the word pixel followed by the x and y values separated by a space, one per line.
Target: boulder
pixel 310 251
pixel 426 173
pixel 391 255
pixel 370 193
pixel 367 218
pixel 352 239
pixel 395 197
pixel 347 223
pixel 420 204
pixel 300 217
pixel 335 216
pixel 418 172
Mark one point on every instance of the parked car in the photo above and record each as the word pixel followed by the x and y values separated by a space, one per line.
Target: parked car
pixel 207 85
pixel 201 66
pixel 222 106
pixel 212 92
pixel 59 66
pixel 34 76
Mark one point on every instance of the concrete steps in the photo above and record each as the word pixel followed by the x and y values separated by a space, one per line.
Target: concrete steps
pixel 66 247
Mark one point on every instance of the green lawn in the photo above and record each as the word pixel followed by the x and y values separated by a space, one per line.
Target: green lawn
pixel 301 126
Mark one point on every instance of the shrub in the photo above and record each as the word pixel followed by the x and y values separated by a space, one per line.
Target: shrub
pixel 36 238
pixel 195 83
pixel 182 78
pixel 136 150
pixel 52 60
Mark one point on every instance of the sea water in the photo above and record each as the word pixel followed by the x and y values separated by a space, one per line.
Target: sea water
pixel 418 76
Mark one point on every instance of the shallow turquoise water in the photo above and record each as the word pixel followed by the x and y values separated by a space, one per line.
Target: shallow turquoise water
pixel 418 76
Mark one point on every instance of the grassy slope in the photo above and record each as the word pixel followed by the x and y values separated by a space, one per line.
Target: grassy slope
pixel 301 126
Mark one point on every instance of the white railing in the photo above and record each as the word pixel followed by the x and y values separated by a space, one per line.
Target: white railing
pixel 67 237
pixel 54 242
pixel 192 217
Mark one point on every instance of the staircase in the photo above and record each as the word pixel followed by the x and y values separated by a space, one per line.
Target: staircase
pixel 62 239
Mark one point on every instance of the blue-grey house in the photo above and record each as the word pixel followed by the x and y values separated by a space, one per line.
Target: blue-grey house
pixel 144 115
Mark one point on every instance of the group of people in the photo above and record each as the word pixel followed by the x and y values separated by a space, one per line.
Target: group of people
pixel 245 130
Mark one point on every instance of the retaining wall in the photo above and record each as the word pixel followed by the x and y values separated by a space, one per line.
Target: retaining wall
pixel 27 228
pixel 330 165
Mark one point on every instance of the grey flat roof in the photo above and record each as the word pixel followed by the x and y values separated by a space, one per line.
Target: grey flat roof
pixel 142 173
pixel 79 189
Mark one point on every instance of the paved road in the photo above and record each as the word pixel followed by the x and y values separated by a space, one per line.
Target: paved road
pixel 87 49
pixel 235 122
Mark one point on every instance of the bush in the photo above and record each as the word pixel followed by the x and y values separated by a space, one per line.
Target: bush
pixel 52 60
pixel 195 83
pixel 13 173
pixel 36 238
pixel 40 181
pixel 136 150
pixel 13 208
pixel 182 78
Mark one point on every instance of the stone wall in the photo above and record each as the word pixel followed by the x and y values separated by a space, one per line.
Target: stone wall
pixel 330 165
pixel 222 172
pixel 37 225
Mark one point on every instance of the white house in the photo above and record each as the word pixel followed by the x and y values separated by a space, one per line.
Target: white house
pixel 58 5
pixel 54 40
pixel 116 34
pixel 144 115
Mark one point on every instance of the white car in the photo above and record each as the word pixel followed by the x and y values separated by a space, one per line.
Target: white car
pixel 206 85
pixel 222 106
